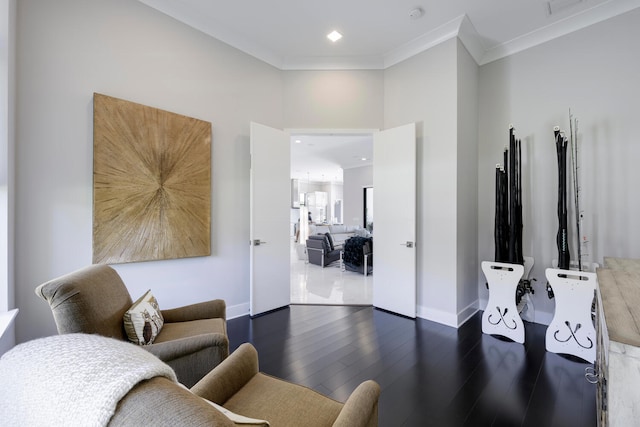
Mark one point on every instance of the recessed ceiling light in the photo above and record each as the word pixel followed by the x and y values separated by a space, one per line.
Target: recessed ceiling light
pixel 363 159
pixel 297 141
pixel 334 36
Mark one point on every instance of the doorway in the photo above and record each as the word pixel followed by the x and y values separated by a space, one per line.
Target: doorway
pixel 328 173
pixel 394 282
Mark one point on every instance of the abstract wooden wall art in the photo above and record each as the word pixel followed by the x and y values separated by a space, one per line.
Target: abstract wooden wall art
pixel 151 183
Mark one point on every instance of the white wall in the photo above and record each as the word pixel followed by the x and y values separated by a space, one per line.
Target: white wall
pixel 333 99
pixel 423 89
pixel 7 182
pixel 355 180
pixel 467 185
pixel 595 73
pixel 337 100
pixel 69 49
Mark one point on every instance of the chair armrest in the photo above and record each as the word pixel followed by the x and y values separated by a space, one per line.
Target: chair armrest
pixel 230 376
pixel 202 310
pixel 361 408
pixel 174 349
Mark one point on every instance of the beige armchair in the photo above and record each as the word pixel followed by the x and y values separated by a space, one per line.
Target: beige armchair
pixel 93 300
pixel 88 379
pixel 237 385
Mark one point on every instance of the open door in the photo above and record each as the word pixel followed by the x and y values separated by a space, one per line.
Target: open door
pixel 269 219
pixel 394 206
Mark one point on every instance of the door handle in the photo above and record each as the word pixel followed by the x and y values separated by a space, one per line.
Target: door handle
pixel 257 242
pixel 407 244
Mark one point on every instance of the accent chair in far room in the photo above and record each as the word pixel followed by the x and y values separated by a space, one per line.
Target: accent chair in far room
pixel 320 250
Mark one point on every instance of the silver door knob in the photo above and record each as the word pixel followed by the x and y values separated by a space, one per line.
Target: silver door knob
pixel 407 244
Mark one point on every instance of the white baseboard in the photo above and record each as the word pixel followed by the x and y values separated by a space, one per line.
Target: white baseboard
pixel 438 316
pixel 466 313
pixel 238 310
pixel 446 318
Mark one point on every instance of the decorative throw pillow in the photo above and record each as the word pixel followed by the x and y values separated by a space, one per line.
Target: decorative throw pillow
pixel 362 232
pixel 143 321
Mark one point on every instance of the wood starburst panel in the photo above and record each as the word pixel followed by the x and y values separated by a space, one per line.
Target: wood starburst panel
pixel 151 183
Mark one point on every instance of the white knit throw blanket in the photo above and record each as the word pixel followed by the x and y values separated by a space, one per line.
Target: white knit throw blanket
pixel 71 380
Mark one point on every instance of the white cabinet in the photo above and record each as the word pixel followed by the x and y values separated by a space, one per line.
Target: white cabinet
pixel 618 335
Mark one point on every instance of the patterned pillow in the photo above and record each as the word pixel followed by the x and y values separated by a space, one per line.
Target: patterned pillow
pixel 143 321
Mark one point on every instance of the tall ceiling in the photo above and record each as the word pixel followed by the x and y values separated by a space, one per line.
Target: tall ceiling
pixel 291 34
pixel 322 158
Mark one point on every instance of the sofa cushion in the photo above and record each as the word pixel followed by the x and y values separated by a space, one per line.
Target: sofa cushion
pixel 237 419
pixel 338 229
pixel 319 229
pixel 143 321
pixel 179 330
pixel 283 403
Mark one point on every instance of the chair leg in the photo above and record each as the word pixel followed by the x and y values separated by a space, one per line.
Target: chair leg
pixel 366 270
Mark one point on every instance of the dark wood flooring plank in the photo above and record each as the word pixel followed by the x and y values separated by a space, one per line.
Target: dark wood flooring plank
pixel 430 374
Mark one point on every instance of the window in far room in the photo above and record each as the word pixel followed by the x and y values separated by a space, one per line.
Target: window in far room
pixel 368 208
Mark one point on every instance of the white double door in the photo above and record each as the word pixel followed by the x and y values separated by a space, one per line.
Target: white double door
pixel 394 181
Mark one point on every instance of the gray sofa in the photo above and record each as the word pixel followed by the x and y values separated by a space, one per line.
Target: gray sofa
pixel 339 232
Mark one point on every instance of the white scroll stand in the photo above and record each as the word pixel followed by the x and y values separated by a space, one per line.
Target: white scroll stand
pixel 501 315
pixel 571 331
pixel 525 308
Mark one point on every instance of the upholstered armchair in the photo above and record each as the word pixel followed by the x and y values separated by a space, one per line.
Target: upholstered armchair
pixel 238 385
pixel 358 255
pixel 320 250
pixel 110 382
pixel 93 300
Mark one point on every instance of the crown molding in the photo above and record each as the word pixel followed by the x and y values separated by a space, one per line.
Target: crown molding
pixel 597 13
pixel 470 38
pixel 183 14
pixel 426 41
pixel 333 63
pixel 460 27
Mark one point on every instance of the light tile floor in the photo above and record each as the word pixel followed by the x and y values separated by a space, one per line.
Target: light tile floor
pixel 312 284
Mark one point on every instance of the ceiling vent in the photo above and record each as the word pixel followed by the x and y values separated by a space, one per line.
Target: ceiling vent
pixel 416 13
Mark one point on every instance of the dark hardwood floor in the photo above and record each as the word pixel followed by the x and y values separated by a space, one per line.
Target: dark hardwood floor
pixel 430 374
